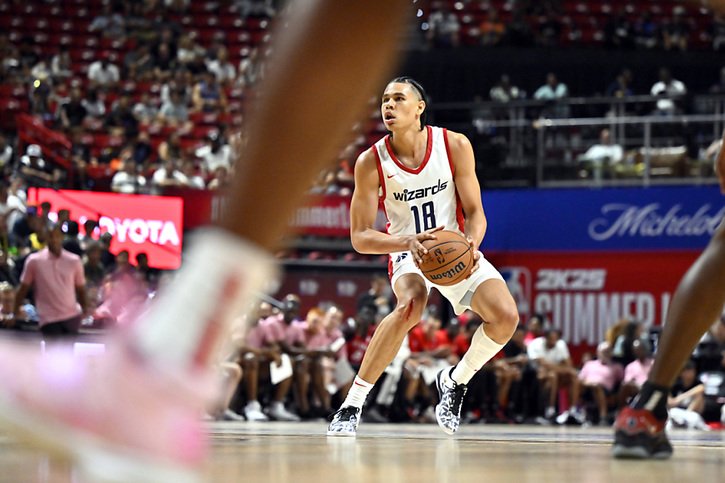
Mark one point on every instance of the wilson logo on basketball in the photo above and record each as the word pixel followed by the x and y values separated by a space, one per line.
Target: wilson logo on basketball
pixel 410 195
pixel 458 268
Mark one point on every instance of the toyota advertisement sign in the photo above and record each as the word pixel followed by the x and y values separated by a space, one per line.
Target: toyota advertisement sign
pixel 138 223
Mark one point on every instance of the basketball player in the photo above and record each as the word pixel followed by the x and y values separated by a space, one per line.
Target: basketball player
pixel 696 304
pixel 134 416
pixel 425 177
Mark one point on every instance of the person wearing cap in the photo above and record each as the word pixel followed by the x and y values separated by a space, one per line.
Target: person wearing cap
pixel 33 168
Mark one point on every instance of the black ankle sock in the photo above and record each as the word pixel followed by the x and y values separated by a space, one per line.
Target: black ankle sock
pixel 652 394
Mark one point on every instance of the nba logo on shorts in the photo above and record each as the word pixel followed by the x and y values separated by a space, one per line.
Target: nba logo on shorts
pixel 518 280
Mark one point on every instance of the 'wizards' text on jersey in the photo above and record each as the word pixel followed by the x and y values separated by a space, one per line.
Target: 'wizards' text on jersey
pixel 419 199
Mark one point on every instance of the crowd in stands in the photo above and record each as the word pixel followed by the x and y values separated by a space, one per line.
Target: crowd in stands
pixel 150 94
pixel 145 97
pixel 614 24
pixel 534 379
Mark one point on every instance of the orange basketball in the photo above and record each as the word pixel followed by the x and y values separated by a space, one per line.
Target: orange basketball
pixel 449 259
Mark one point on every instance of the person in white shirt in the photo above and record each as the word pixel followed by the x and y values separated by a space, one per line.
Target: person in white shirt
pixel 552 92
pixel 145 110
pixel 215 153
pixel 603 155
pixel 444 30
pixel 221 67
pixel 191 173
pixel 504 91
pixel 60 64
pixel 667 88
pixel 6 152
pixel 126 180
pixel 103 73
pixel 11 207
pixel 95 107
pixel 174 112
pixel 251 69
pixel 168 175
pixel 110 23
pixel 555 369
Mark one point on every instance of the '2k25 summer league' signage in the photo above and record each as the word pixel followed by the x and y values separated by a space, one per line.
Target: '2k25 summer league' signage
pixel 585 293
pixel 138 223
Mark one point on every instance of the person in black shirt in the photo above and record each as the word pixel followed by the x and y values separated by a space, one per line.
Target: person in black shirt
pixel 72 113
pixel 151 275
pixel 524 395
pixel 7 273
pixel 687 393
pixel 122 117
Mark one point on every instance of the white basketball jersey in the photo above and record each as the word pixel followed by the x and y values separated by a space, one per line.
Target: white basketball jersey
pixel 419 199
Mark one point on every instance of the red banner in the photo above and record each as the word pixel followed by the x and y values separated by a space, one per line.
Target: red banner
pixel 584 294
pixel 320 215
pixel 138 223
pixel 324 216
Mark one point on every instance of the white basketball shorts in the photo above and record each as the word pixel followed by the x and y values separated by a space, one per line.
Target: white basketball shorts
pixel 460 294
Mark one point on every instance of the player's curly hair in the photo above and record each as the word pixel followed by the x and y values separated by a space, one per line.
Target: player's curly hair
pixel 418 89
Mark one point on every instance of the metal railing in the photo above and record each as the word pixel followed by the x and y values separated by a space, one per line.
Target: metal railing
pixel 524 143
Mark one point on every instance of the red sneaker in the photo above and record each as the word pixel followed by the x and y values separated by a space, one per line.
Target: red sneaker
pixel 638 434
pixel 118 418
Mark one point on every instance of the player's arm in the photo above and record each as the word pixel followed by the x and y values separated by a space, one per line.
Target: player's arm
pixel 364 209
pixel 469 191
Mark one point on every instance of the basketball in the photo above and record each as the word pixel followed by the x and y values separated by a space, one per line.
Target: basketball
pixel 449 259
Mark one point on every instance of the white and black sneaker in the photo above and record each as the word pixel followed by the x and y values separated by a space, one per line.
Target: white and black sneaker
pixel 448 410
pixel 344 422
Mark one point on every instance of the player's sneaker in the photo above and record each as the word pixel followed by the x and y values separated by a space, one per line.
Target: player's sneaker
pixel 278 412
pixel 451 394
pixel 344 422
pixel 118 418
pixel 253 412
pixel 638 434
pixel 229 415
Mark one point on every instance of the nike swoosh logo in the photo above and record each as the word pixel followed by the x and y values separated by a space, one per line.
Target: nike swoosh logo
pixel 390 176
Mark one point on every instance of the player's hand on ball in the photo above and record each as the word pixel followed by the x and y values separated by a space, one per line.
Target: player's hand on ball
pixel 476 255
pixel 415 245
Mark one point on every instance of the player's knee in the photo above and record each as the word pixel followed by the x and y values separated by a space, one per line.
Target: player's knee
pixel 506 318
pixel 411 304
pixel 410 309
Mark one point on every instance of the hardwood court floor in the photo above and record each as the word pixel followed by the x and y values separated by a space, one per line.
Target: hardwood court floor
pixel 301 453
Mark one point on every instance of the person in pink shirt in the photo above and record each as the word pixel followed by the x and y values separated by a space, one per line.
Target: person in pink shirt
pixel 289 332
pixel 326 349
pixel 535 328
pixel 601 376
pixel 636 372
pixel 58 282
pixel 261 348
